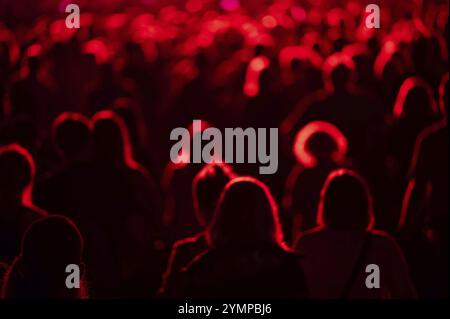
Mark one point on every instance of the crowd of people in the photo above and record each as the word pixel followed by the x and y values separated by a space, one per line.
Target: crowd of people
pixel 86 177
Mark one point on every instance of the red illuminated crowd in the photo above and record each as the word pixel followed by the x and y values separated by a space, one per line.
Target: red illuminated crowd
pixel 86 177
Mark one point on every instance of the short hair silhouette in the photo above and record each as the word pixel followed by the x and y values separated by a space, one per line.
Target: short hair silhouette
pixel 246 214
pixel 111 139
pixel 17 171
pixel 338 71
pixel 207 186
pixel 318 141
pixel 415 98
pixel 346 202
pixel 71 133
pixel 49 245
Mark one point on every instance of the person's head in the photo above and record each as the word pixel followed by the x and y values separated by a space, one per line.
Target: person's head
pixel 245 214
pixel 361 56
pixel 345 202
pixel 207 186
pixel 338 72
pixel 415 100
pixel 319 143
pixel 111 141
pixel 71 133
pixel 49 246
pixel 17 171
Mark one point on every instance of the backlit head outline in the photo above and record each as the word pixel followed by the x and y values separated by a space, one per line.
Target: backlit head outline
pixel 304 156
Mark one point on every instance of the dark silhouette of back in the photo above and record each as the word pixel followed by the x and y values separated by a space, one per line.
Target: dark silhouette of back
pixel 207 187
pixel 121 205
pixel 17 211
pixel 345 235
pixel 49 245
pixel 305 183
pixel 248 258
pixel 61 191
pixel 424 218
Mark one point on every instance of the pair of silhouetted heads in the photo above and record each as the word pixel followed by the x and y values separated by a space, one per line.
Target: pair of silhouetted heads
pixel 49 245
pixel 247 213
pixel 106 132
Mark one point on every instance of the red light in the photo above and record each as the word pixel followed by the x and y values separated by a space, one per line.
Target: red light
pixel 34 50
pixel 269 22
pixel 98 49
pixel 298 13
pixel 258 64
pixel 194 5
pixel 255 67
pixel 230 5
pixel 390 47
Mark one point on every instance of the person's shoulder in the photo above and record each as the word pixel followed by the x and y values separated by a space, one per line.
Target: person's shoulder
pixel 200 261
pixel 32 213
pixel 433 130
pixel 381 235
pixel 383 240
pixel 308 236
pixel 185 243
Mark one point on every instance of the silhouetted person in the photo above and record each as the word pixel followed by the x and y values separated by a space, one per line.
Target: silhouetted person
pixel 122 206
pixel 207 187
pixel 337 252
pixel 30 97
pixel 319 153
pixel 340 103
pixel 17 211
pixel 248 258
pixel 179 217
pixel 49 245
pixel 424 218
pixel 414 109
pixel 62 189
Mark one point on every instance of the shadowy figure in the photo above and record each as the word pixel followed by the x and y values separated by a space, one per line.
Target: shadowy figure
pixel 17 211
pixel 424 220
pixel 61 191
pixel 179 217
pixel 207 187
pixel 30 97
pixel 121 205
pixel 414 110
pixel 340 103
pixel 49 245
pixel 319 149
pixel 337 252
pixel 248 258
